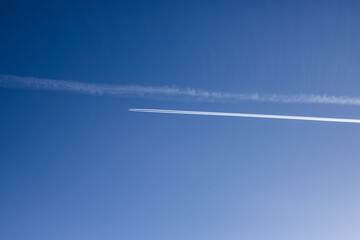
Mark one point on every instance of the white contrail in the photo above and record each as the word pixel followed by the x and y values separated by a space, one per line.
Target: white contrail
pixel 171 93
pixel 247 115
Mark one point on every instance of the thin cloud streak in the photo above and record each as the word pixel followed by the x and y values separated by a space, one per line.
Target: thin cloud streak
pixel 169 93
pixel 246 115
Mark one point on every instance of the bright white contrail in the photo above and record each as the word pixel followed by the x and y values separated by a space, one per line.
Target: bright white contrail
pixel 167 93
pixel 247 115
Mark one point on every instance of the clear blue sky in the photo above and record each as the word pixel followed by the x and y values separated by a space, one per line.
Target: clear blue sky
pixel 76 166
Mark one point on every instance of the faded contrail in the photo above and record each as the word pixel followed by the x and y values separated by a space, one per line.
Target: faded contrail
pixel 247 115
pixel 170 93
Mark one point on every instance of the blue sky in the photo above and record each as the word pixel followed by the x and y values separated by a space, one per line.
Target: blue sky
pixel 77 166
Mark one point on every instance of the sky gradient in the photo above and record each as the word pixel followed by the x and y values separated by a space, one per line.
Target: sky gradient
pixel 81 166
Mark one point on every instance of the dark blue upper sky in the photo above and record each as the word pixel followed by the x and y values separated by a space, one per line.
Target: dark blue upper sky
pixel 75 166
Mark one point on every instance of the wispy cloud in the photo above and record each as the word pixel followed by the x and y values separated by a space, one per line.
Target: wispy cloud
pixel 246 115
pixel 11 81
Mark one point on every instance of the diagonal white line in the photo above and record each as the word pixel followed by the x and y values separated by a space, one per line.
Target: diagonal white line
pixel 247 115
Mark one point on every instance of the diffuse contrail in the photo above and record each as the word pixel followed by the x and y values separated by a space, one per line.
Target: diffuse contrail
pixel 247 115
pixel 170 93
